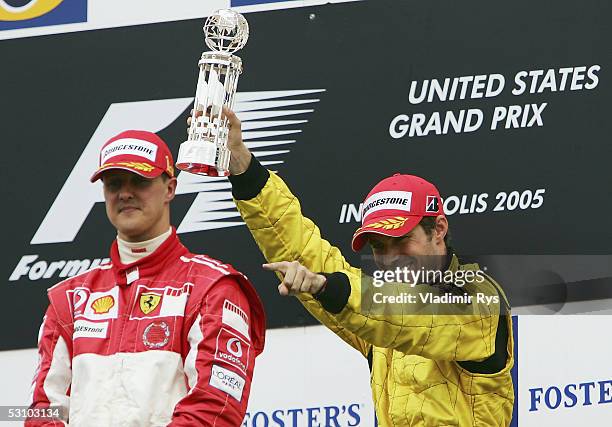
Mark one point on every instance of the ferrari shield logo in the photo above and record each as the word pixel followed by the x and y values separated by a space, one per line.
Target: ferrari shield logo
pixel 148 302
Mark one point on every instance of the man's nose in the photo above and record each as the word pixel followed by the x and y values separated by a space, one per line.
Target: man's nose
pixel 389 259
pixel 126 192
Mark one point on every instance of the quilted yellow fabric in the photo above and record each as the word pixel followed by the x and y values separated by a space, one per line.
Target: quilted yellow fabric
pixel 415 378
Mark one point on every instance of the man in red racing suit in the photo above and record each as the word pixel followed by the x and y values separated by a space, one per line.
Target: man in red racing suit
pixel 159 336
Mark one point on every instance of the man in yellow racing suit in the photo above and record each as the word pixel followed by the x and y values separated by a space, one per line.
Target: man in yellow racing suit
pixel 427 368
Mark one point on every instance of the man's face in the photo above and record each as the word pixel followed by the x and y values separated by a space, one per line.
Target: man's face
pixel 138 207
pixel 414 250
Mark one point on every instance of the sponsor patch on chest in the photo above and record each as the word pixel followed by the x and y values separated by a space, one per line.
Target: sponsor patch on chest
pixel 153 302
pixel 86 329
pixel 94 305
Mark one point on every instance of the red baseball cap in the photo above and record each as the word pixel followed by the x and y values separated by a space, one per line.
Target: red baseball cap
pixel 395 206
pixel 136 151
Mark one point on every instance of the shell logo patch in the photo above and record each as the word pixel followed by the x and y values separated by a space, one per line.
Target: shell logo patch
pixel 103 304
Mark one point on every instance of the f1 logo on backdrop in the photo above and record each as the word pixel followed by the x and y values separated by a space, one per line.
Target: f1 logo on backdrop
pixel 213 206
pixel 38 13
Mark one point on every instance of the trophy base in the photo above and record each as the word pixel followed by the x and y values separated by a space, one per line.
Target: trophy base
pixel 203 158
pixel 201 169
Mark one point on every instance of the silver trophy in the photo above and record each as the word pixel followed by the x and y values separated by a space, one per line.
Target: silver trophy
pixel 205 152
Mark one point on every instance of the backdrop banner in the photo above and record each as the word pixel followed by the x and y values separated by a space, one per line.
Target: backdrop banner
pixel 504 110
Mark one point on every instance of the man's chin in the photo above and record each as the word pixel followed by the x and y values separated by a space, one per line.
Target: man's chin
pixel 130 232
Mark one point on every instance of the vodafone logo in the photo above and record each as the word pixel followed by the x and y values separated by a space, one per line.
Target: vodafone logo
pixel 234 347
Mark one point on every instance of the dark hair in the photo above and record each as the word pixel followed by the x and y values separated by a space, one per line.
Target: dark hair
pixel 429 224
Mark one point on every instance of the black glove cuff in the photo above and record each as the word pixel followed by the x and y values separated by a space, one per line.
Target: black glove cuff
pixel 249 184
pixel 335 295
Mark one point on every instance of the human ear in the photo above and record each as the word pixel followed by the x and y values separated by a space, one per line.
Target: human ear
pixel 171 189
pixel 441 228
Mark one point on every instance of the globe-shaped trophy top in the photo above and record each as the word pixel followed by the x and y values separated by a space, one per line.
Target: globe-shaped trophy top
pixel 226 31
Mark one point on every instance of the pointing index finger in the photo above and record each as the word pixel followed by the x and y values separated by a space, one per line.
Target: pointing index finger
pixel 276 266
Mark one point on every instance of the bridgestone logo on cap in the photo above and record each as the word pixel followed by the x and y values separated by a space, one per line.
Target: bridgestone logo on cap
pixel 385 200
pixel 136 147
pixel 432 204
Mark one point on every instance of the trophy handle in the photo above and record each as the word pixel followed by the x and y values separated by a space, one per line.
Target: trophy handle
pixel 205 152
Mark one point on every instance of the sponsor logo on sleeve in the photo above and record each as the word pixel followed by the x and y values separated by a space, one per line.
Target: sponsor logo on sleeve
pixel 227 381
pixel 234 317
pixel 233 349
pixel 387 200
pixel 86 329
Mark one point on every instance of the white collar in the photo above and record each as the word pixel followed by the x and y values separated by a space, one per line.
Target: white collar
pixel 130 252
